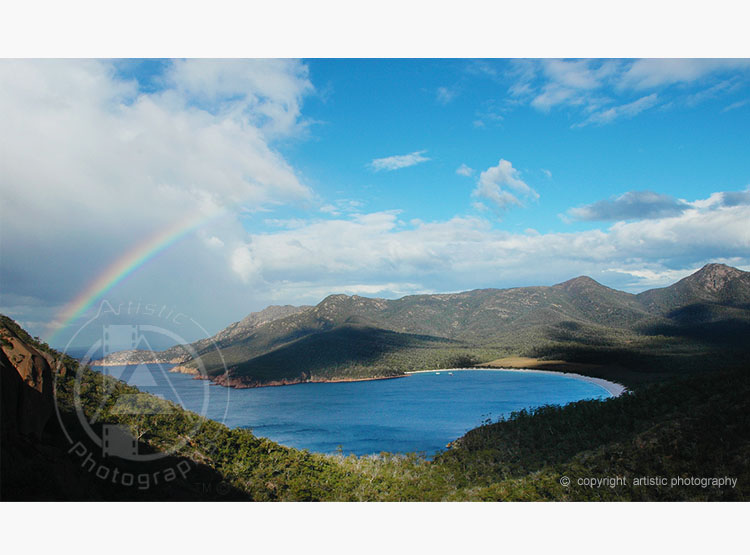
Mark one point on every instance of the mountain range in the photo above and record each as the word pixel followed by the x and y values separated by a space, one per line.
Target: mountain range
pixel 702 318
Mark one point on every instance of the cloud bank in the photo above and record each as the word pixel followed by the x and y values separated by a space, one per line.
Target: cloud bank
pixel 394 257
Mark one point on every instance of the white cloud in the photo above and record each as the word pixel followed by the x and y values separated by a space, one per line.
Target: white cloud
pixel 268 93
pixel 444 95
pixel 604 90
pixel 547 173
pixel 243 264
pixel 464 170
pixel 722 87
pixel 623 111
pixel 738 104
pixel 342 206
pixel 653 72
pixel 214 242
pixel 489 114
pixel 493 184
pixel 579 74
pixel 655 277
pixel 391 163
pixel 549 83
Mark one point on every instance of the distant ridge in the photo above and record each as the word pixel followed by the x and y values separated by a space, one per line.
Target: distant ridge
pixel 354 337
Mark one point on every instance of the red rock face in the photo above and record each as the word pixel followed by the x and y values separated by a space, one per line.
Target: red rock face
pixel 27 395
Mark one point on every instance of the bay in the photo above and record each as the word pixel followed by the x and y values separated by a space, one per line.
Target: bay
pixel 420 413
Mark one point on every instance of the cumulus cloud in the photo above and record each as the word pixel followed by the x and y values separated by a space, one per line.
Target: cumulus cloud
pixel 243 264
pixel 494 183
pixel 465 170
pixel 633 205
pixel 391 163
pixel 93 165
pixel 268 93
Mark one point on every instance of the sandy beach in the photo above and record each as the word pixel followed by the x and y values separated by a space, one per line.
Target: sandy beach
pixel 614 389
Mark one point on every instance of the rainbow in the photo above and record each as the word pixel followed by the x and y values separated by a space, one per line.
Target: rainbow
pixel 125 265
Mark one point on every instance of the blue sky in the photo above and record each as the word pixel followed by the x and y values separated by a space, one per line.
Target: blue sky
pixel 368 109
pixel 372 177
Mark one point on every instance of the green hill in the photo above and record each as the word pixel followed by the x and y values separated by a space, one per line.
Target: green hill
pixel 699 322
pixel 347 352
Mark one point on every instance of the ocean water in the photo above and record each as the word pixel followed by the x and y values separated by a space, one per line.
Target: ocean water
pixel 418 413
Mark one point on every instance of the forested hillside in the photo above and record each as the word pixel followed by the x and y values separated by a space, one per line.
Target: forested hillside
pixel 695 427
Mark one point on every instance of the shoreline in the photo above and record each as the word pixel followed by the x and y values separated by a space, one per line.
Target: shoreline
pixel 613 388
pixel 102 362
pixel 230 383
pixel 235 383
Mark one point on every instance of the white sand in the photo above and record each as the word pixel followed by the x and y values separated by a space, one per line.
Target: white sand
pixel 614 389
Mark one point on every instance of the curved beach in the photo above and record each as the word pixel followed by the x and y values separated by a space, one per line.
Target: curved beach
pixel 613 388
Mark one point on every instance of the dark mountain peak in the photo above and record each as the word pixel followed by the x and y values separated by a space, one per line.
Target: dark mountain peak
pixel 340 299
pixel 335 298
pixel 339 307
pixel 714 283
pixel 578 283
pixel 714 277
pixel 272 312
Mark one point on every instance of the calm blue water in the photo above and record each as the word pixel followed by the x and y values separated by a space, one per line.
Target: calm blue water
pixel 418 413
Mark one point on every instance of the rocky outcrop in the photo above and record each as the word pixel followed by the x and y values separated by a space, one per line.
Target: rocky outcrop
pixel 27 388
pixel 180 369
pixel 715 277
pixel 714 283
